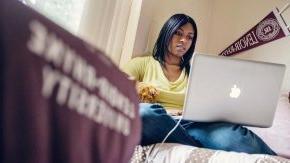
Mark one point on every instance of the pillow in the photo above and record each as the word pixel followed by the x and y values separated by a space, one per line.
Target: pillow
pixel 278 136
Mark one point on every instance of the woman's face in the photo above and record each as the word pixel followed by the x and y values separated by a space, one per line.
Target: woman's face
pixel 181 40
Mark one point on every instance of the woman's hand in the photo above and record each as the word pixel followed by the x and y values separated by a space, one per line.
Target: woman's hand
pixel 147 93
pixel 174 112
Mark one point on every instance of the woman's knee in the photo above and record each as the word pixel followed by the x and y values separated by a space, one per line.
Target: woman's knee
pixel 234 137
pixel 220 136
pixel 148 110
pixel 155 123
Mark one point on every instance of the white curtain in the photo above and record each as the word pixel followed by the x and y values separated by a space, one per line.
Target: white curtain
pixel 110 25
pixel 104 24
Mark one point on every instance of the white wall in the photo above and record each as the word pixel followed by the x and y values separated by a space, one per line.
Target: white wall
pixel 220 23
pixel 231 19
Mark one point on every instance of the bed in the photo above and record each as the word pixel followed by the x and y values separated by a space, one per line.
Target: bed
pixel 277 137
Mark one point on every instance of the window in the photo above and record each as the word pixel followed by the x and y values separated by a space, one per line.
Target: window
pixel 66 13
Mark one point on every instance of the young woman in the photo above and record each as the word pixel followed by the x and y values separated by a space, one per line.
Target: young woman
pixel 167 70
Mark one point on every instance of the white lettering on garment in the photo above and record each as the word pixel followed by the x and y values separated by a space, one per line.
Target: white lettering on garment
pixel 75 92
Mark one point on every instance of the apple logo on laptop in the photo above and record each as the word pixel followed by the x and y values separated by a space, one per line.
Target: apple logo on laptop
pixel 235 92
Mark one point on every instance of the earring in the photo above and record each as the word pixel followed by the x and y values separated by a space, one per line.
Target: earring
pixel 182 60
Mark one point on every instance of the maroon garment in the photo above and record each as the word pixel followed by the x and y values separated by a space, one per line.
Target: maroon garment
pixel 61 100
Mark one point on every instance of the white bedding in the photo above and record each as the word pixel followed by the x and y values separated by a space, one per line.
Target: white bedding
pixel 176 153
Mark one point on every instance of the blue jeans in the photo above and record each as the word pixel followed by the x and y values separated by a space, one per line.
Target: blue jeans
pixel 156 124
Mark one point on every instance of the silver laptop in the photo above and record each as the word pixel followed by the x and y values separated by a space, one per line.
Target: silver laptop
pixel 233 90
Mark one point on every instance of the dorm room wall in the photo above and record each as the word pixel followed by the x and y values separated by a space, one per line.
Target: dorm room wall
pixel 231 19
pixel 221 22
pixel 199 10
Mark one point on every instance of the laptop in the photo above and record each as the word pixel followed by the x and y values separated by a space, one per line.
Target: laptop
pixel 222 89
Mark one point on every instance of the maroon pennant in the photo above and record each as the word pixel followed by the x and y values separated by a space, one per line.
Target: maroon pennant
pixel 271 28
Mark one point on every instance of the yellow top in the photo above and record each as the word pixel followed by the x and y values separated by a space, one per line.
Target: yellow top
pixel 148 70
